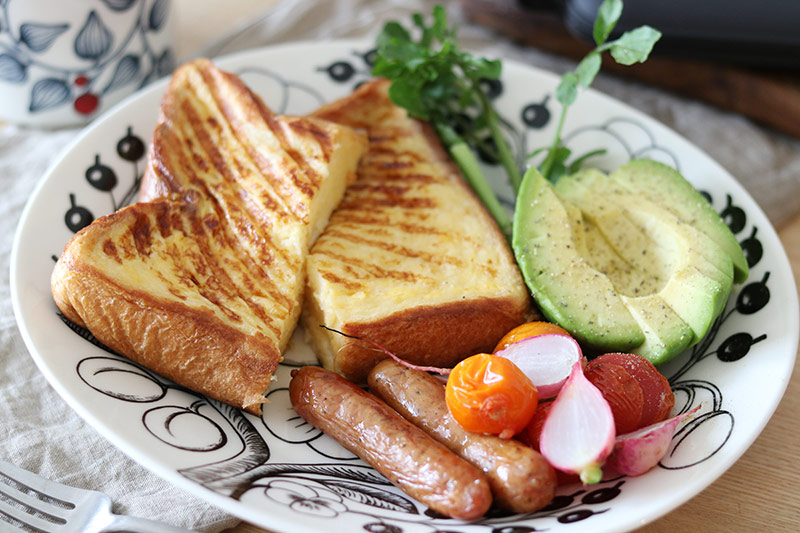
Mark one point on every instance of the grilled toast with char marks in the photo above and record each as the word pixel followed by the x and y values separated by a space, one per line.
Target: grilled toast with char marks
pixel 410 259
pixel 202 279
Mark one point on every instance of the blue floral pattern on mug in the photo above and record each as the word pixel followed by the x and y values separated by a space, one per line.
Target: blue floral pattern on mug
pixel 63 61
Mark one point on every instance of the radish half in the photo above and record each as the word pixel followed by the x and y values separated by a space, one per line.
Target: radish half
pixel 547 360
pixel 578 434
pixel 640 451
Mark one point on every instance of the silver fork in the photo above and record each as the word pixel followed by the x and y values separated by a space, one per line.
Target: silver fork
pixel 32 503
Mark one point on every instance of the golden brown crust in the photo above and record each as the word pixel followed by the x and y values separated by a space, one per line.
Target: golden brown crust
pixel 410 258
pixel 183 342
pixel 213 126
pixel 436 335
pixel 202 280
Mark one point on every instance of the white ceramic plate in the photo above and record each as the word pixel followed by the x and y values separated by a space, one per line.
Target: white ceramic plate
pixel 283 475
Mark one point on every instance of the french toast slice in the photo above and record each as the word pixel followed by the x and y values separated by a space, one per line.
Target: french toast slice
pixel 201 280
pixel 410 258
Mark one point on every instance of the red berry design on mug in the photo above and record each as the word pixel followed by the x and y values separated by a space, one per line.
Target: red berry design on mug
pixel 86 103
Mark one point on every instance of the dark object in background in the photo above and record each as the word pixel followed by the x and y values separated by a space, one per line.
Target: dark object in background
pixel 764 93
pixel 747 32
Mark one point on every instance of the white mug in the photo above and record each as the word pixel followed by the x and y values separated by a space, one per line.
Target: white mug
pixel 63 62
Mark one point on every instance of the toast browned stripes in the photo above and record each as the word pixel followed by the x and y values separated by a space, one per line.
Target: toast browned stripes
pixel 218 139
pixel 410 258
pixel 202 280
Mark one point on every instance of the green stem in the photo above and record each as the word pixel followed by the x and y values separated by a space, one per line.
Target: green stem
pixel 463 156
pixel 503 151
pixel 591 474
pixel 547 166
pixel 446 133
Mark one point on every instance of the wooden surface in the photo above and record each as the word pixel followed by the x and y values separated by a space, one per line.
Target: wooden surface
pixel 761 492
pixel 770 97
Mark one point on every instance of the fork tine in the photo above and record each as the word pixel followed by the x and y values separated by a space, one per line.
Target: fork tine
pixel 23 498
pixel 61 496
pixel 24 520
pixel 33 500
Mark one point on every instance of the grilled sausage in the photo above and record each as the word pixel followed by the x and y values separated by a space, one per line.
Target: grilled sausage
pixel 406 455
pixel 520 478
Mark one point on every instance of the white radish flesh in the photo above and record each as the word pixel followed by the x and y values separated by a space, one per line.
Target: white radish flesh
pixel 640 451
pixel 546 359
pixel 578 434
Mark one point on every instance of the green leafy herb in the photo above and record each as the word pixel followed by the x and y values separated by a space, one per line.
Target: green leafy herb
pixel 434 80
pixel 631 47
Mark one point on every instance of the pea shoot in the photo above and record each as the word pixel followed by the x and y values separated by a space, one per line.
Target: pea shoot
pixel 631 47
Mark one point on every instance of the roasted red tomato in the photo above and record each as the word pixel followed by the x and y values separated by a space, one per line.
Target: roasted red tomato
pixel 658 396
pixel 490 394
pixel 621 390
pixel 534 428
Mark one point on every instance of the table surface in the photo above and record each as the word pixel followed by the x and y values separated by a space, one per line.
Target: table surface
pixel 760 492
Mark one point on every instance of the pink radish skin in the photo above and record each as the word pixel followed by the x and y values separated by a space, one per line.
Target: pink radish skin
pixel 640 451
pixel 546 359
pixel 578 434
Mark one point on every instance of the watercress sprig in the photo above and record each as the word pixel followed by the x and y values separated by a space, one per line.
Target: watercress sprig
pixel 434 80
pixel 631 47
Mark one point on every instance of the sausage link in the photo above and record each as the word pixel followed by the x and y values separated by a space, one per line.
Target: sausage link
pixel 521 479
pixel 406 455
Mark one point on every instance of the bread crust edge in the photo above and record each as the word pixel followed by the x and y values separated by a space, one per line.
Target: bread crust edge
pixel 185 345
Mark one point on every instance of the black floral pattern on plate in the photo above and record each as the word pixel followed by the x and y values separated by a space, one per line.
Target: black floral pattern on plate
pixel 101 176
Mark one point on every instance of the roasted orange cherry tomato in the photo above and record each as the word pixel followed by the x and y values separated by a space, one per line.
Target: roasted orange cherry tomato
pixel 490 394
pixel 529 329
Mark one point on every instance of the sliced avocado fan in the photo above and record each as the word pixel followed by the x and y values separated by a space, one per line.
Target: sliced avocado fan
pixel 664 185
pixel 620 268
pixel 567 288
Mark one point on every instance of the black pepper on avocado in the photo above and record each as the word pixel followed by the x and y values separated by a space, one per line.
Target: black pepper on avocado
pixel 634 261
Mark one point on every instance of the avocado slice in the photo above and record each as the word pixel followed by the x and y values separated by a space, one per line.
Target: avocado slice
pixel 702 273
pixel 665 332
pixel 689 272
pixel 618 259
pixel 666 186
pixel 706 257
pixel 594 182
pixel 638 226
pixel 567 288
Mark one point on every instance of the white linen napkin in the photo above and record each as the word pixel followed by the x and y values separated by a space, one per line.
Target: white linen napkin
pixel 38 431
